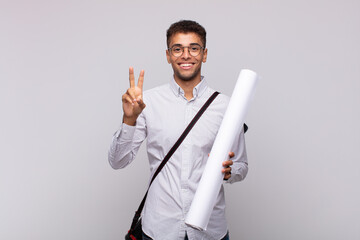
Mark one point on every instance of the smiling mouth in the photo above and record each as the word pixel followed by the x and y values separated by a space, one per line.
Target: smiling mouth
pixel 186 65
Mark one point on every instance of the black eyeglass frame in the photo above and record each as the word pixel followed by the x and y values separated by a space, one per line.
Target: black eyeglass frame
pixel 188 47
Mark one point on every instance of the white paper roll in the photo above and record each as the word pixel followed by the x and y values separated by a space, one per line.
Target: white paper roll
pixel 212 177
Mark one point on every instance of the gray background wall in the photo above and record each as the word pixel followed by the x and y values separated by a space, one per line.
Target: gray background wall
pixel 63 69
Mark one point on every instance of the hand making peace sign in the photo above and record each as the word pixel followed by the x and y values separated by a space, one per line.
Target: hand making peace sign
pixel 132 100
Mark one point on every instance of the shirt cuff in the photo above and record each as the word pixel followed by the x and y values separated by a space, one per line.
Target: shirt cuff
pixel 126 132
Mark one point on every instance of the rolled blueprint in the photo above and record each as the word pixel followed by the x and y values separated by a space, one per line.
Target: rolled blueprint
pixel 212 177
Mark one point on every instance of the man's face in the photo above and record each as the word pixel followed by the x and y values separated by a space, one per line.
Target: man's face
pixel 186 67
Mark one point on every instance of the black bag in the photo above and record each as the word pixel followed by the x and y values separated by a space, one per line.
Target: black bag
pixel 135 232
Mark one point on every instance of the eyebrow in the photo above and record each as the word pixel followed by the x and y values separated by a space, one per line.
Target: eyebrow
pixel 180 45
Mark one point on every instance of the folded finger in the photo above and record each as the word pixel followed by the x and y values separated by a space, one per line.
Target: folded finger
pixel 131 93
pixel 127 98
pixel 226 169
pixel 227 163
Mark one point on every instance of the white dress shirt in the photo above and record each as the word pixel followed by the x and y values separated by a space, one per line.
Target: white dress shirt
pixel 165 117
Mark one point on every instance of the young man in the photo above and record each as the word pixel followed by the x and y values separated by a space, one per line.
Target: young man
pixel 168 110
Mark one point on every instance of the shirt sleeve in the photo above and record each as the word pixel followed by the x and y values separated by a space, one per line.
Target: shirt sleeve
pixel 126 142
pixel 239 169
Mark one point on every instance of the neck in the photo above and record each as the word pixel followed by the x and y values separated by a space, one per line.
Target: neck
pixel 188 86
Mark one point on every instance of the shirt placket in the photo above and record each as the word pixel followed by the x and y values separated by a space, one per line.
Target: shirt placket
pixel 185 164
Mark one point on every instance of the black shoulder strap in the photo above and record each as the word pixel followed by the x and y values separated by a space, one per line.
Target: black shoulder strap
pixel 171 152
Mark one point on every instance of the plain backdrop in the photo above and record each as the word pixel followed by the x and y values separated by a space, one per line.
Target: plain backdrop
pixel 63 69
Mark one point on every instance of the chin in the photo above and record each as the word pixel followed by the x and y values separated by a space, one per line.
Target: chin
pixel 186 78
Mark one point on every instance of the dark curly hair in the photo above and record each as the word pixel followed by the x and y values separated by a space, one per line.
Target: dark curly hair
pixel 186 26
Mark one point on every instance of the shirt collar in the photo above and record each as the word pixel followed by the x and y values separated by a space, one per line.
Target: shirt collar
pixel 197 91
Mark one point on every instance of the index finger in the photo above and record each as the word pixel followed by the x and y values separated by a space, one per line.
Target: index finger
pixel 141 79
pixel 131 77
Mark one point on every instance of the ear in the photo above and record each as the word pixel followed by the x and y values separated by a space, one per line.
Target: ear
pixel 205 55
pixel 167 55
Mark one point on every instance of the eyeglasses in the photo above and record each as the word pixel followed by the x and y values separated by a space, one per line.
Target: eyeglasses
pixel 178 50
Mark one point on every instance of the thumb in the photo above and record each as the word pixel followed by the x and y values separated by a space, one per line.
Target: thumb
pixel 141 103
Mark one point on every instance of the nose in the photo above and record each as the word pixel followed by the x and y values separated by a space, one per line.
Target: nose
pixel 186 53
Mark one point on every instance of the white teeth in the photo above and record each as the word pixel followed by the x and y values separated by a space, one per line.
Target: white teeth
pixel 186 65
